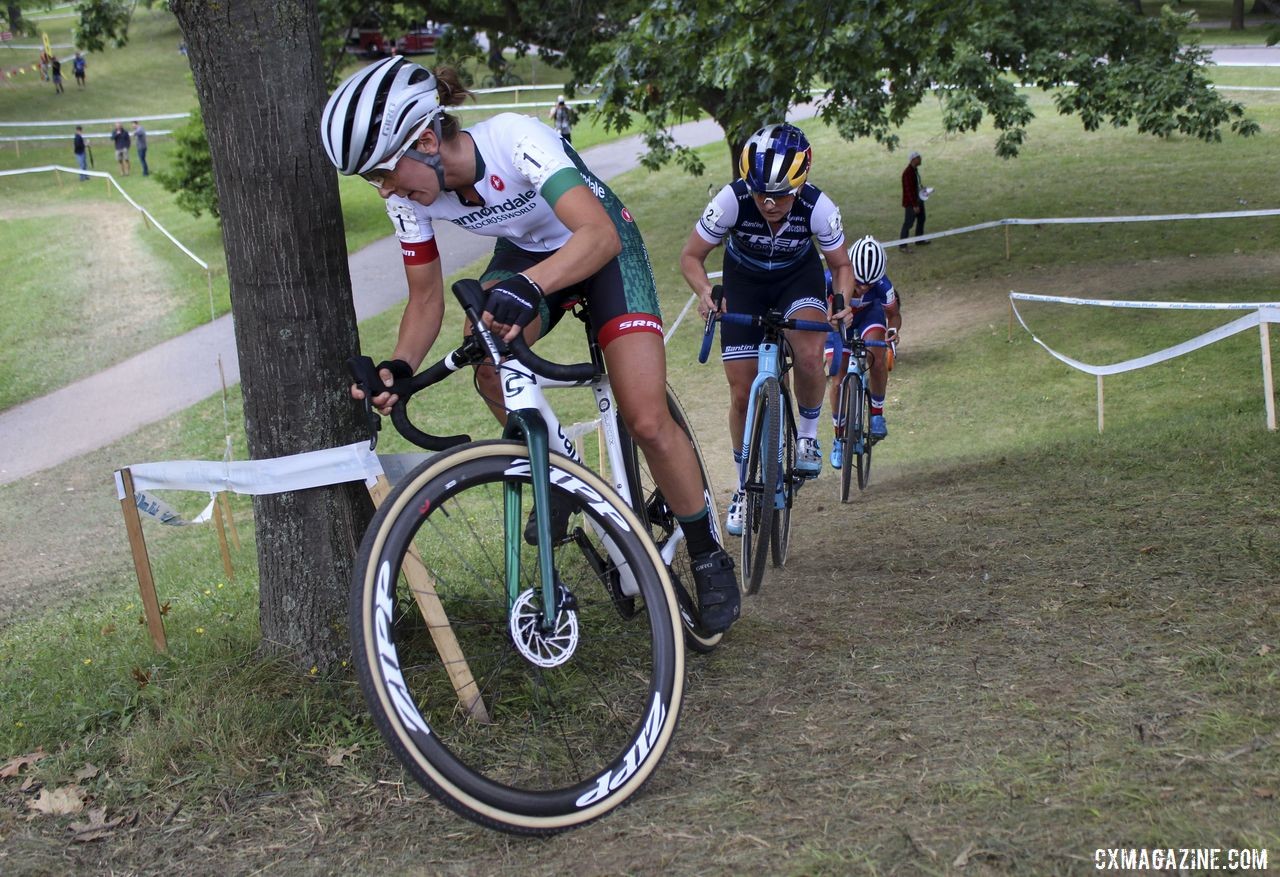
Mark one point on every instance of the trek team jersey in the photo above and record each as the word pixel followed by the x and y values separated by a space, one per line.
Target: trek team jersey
pixel 523 167
pixel 733 213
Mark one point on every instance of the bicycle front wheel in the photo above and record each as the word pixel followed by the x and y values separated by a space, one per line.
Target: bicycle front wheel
pixel 848 413
pixel 761 486
pixel 513 723
pixel 791 480
pixel 649 502
pixel 865 440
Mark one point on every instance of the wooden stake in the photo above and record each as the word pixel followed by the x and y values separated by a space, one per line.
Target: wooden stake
pixel 446 641
pixel 222 542
pixel 1006 243
pixel 142 564
pixel 226 507
pixel 1011 321
pixel 1099 403
pixel 1268 385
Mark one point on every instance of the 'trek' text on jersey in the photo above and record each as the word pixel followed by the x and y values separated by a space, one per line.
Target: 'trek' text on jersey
pixel 732 213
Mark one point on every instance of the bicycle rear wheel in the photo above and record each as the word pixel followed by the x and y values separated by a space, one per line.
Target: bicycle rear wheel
pixel 512 726
pixel 850 389
pixel 863 413
pixel 761 486
pixel 651 506
pixel 791 480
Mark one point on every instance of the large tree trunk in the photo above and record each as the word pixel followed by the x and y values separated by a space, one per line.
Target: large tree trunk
pixel 1237 14
pixel 15 17
pixel 258 75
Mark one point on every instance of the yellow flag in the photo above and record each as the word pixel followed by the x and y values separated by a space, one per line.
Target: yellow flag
pixel 48 50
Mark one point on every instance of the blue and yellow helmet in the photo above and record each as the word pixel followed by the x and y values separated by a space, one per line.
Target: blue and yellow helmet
pixel 775 160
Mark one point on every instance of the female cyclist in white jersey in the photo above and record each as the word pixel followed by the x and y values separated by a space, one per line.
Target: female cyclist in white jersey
pixel 562 237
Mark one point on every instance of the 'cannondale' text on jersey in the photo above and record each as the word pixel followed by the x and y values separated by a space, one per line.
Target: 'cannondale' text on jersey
pixel 523 168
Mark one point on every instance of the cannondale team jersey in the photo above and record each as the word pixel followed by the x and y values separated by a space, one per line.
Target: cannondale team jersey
pixel 733 213
pixel 524 167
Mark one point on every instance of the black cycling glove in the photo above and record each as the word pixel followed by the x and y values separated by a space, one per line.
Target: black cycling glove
pixel 514 301
pixel 400 370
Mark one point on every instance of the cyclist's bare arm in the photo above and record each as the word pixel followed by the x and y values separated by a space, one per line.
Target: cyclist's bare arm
pixel 693 265
pixel 419 326
pixel 841 282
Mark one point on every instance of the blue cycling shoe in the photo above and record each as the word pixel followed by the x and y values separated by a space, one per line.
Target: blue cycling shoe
pixel 837 453
pixel 878 428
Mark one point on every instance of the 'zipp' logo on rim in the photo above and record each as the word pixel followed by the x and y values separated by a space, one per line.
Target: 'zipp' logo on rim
pixel 496 182
pixel 635 757
pixel 520 468
pixel 388 660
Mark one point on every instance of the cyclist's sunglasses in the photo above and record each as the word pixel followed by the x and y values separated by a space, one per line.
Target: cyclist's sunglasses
pixel 775 197
pixel 376 175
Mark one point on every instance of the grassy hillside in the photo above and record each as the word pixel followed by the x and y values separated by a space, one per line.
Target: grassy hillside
pixel 1024 642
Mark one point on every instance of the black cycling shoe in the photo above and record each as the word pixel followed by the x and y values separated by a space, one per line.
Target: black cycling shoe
pixel 561 509
pixel 718 599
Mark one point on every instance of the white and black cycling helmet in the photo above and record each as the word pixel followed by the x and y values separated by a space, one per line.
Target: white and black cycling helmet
pixel 868 260
pixel 775 160
pixel 375 111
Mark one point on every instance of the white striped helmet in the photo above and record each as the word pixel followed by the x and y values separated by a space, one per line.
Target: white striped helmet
pixel 868 260
pixel 375 111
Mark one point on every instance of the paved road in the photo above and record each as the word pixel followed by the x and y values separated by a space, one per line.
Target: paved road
pixel 97 410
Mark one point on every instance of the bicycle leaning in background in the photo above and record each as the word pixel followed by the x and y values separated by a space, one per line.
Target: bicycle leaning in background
pixel 768 476
pixel 527 669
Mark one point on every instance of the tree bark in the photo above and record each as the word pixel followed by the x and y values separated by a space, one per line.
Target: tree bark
pixel 15 17
pixel 1237 14
pixel 259 77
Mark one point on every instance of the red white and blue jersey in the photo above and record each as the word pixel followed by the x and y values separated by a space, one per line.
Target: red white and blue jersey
pixel 732 213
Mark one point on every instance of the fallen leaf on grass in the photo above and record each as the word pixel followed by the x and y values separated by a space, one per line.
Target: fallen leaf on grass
pixel 142 677
pixel 1261 792
pixel 88 772
pixel 336 756
pixel 1263 649
pixel 16 764
pixel 97 826
pixel 1147 550
pixel 59 802
pixel 963 859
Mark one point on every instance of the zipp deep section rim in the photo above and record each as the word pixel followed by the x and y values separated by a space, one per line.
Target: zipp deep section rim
pixel 850 389
pixel 780 540
pixel 436 494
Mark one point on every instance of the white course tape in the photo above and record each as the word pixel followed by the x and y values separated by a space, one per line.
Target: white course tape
pixel 1155 305
pixel 1268 314
pixel 354 462
pixel 166 514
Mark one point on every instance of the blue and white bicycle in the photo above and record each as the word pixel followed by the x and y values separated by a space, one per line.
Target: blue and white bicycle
pixel 768 474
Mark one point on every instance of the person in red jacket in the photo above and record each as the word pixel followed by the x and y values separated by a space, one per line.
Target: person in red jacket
pixel 912 203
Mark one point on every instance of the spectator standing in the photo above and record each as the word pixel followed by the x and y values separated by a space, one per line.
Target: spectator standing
pixel 77 68
pixel 912 200
pixel 121 139
pixel 56 66
pixel 140 144
pixel 562 119
pixel 78 147
pixel 44 66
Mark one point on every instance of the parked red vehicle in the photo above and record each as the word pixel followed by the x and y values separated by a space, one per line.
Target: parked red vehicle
pixel 368 42
pixel 418 41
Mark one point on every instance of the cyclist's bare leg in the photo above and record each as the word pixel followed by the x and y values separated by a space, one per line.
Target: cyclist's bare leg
pixel 638 374
pixel 811 377
pixel 740 373
pixel 878 381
